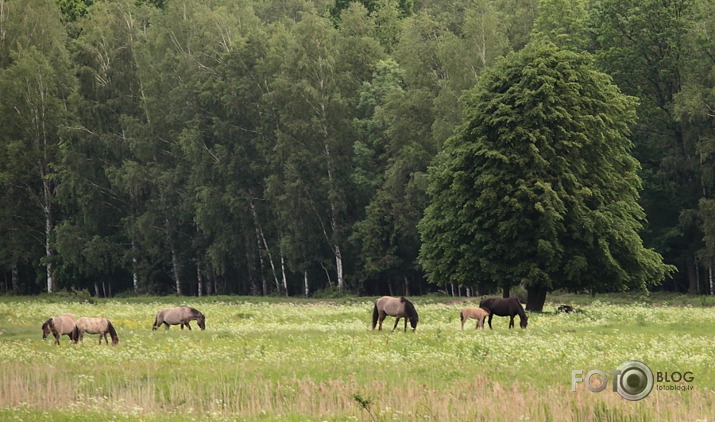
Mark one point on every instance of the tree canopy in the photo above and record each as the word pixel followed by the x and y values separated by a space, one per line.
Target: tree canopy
pixel 282 146
pixel 539 187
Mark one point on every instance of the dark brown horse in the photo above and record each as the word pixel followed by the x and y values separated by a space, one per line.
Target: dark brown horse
pixel 398 307
pixel 59 325
pixel 181 315
pixel 505 307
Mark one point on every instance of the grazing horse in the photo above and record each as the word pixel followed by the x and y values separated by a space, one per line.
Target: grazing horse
pixel 100 326
pixel 477 313
pixel 58 325
pixel 181 315
pixel 396 307
pixel 505 307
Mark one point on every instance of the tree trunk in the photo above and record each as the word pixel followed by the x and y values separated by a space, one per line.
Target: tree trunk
pixel 16 279
pixel 407 285
pixel 692 277
pixel 339 269
pixel 506 291
pixel 135 275
pixel 283 273
pixel 96 289
pixel 250 266
pixel 306 288
pixel 334 216
pixel 262 237
pixel 535 298
pixel 175 270
pixel 49 253
pixel 199 279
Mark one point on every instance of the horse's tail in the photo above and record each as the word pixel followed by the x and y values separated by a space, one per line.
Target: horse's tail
pixel 156 321
pixel 75 334
pixel 461 316
pixel 375 315
pixel 113 333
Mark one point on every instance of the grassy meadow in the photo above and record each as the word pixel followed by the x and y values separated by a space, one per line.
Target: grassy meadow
pixel 301 360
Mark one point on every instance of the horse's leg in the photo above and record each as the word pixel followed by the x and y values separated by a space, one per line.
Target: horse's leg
pixel 511 322
pixel 187 325
pixel 490 321
pixel 405 318
pixel 382 318
pixel 397 319
pixel 57 338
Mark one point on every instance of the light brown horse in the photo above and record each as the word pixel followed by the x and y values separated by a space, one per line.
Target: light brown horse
pixel 398 307
pixel 181 315
pixel 477 313
pixel 100 326
pixel 59 325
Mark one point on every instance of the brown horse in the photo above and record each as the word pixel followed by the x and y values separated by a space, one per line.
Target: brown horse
pixel 100 326
pixel 181 315
pixel 59 325
pixel 477 313
pixel 509 306
pixel 394 306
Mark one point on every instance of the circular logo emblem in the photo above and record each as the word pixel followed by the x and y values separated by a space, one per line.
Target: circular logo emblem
pixel 635 381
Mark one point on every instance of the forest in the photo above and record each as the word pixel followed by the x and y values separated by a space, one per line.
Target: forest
pixel 284 147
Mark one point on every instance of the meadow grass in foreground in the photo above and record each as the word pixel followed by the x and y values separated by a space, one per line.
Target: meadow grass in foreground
pixel 319 360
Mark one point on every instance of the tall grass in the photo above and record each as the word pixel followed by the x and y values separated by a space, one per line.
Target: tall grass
pixel 320 361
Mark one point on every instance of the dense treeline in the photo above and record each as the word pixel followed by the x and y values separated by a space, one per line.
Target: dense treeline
pixel 283 146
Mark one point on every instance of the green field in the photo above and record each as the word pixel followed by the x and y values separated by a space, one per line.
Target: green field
pixel 297 360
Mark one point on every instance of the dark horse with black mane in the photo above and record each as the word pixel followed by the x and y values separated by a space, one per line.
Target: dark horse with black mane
pixel 398 307
pixel 505 307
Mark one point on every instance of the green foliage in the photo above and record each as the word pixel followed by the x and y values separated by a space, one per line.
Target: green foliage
pixel 538 185
pixel 216 146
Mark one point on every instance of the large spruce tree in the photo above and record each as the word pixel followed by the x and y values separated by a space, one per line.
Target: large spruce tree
pixel 538 186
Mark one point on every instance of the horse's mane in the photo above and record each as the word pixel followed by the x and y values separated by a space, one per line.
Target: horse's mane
pixel 48 323
pixel 520 308
pixel 409 308
pixel 112 332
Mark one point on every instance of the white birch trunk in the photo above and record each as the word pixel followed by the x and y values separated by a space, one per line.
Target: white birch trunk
pixel 199 279
pixel 283 273
pixel 339 268
pixel 261 240
pixel 48 247
pixel 305 282
pixel 175 270
pixel 334 222
pixel 135 275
